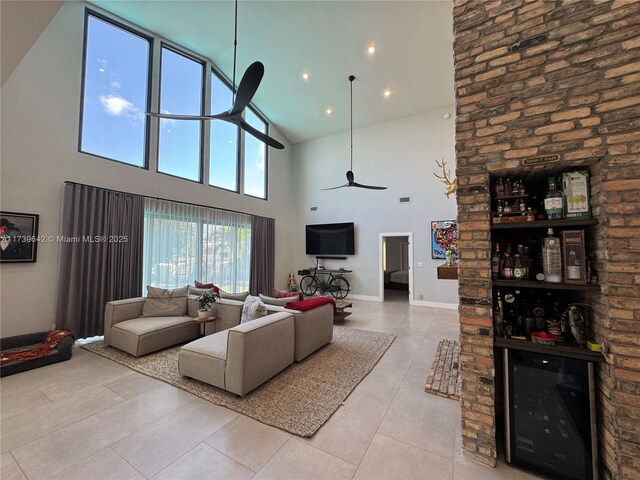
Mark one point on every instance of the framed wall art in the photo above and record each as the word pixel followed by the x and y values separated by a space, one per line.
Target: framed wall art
pixel 18 237
pixel 444 236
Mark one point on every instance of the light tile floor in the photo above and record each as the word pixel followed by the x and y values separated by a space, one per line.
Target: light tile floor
pixel 92 419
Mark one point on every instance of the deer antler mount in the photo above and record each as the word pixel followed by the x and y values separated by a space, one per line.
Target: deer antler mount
pixel 452 185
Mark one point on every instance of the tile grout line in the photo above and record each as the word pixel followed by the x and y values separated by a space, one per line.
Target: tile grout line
pixel 126 461
pixel 15 460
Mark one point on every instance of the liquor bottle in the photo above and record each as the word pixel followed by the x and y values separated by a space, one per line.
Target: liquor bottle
pixel 518 267
pixel 553 202
pixel 507 188
pixel 495 261
pixel 507 207
pixel 499 188
pixel 515 188
pixel 507 264
pixel 524 259
pixel 523 206
pixel 551 258
pixel 500 207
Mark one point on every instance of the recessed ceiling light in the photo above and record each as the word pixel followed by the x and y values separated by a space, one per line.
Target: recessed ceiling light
pixel 387 92
pixel 305 75
pixel 372 49
pixel 328 110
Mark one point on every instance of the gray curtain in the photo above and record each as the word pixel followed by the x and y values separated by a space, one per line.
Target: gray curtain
pixel 103 260
pixel 263 255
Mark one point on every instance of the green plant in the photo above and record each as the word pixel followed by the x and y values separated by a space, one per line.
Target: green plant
pixel 324 287
pixel 206 299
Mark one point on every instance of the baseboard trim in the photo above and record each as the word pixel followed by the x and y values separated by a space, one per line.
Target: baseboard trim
pixel 425 303
pixel 368 298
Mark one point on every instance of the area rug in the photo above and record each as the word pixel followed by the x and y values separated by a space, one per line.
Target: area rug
pixel 444 378
pixel 299 400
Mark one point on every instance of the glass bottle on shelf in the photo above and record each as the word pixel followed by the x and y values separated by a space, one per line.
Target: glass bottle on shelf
pixel 524 259
pixel 500 207
pixel 507 188
pixel 553 202
pixel 551 258
pixel 499 320
pixel 499 188
pixel 495 261
pixel 518 267
pixel 507 264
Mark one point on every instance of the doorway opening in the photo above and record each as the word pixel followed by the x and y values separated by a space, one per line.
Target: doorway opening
pixel 396 259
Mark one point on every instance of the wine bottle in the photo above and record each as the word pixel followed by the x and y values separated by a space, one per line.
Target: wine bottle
pixel 495 261
pixel 507 265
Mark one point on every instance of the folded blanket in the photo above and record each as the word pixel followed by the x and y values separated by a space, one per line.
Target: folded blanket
pixel 304 305
pixel 42 350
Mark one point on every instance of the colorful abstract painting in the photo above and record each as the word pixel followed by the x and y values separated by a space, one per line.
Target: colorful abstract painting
pixel 444 235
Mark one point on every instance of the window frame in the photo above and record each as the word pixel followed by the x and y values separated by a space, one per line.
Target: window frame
pixel 147 123
pixel 239 141
pixel 266 157
pixel 203 92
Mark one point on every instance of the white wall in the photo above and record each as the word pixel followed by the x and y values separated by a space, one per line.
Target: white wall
pixel 39 151
pixel 401 155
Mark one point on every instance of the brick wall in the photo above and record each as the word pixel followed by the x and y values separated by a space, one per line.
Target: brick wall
pixel 552 77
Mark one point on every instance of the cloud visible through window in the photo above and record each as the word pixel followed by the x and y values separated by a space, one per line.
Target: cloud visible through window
pixel 116 106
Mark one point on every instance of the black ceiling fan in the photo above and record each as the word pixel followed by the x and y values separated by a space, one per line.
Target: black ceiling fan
pixel 246 90
pixel 350 177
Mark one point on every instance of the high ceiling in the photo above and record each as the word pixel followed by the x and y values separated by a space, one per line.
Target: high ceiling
pixel 329 39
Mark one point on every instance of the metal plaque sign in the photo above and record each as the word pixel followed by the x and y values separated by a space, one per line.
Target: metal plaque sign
pixel 529 162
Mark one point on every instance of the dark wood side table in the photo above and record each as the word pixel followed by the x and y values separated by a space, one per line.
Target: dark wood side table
pixel 201 322
pixel 447 272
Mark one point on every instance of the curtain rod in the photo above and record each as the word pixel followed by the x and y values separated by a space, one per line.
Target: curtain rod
pixel 166 199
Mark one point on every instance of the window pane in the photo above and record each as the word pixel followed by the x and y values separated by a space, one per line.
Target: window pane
pixel 223 164
pixel 116 73
pixel 180 93
pixel 255 159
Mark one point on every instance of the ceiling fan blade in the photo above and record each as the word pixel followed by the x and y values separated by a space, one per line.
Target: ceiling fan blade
pixel 173 116
pixel 335 188
pixel 370 187
pixel 264 138
pixel 248 87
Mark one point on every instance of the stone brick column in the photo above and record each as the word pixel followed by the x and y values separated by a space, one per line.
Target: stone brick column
pixel 552 77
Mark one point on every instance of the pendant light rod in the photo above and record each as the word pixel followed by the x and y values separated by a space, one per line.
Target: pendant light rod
pixel 351 79
pixel 235 48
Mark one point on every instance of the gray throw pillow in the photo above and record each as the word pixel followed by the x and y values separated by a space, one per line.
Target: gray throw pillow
pixel 253 308
pixel 280 302
pixel 161 302
pixel 241 297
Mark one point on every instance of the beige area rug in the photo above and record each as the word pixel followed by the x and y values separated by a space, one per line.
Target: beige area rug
pixel 444 378
pixel 299 400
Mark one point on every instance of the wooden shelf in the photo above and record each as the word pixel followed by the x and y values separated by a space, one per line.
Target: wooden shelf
pixel 566 351
pixel 545 224
pixel 544 285
pixel 447 272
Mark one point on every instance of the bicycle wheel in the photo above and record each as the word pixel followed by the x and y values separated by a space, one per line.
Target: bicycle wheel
pixel 339 287
pixel 308 285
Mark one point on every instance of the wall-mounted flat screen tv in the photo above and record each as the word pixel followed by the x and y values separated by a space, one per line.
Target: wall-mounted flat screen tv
pixel 330 239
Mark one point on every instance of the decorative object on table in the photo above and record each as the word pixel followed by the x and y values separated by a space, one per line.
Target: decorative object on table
pixel 444 236
pixel 246 90
pixel 575 258
pixel 205 300
pixel 449 256
pixel 452 185
pixel 575 186
pixel 18 237
pixel 324 380
pixel 350 177
pixel 292 282
pixel 444 378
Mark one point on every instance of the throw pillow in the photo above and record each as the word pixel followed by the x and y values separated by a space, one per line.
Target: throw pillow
pixel 199 291
pixel 280 302
pixel 207 286
pixel 284 293
pixel 253 308
pixel 242 296
pixel 161 302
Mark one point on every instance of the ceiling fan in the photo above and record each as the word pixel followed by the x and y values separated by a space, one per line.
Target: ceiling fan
pixel 241 98
pixel 350 178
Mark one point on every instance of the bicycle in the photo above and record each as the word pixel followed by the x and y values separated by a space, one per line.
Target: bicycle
pixel 339 286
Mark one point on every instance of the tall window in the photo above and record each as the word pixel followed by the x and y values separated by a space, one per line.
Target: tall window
pixel 183 243
pixel 255 158
pixel 181 93
pixel 116 79
pixel 223 161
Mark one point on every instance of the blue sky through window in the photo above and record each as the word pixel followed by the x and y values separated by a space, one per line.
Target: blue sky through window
pixel 255 158
pixel 223 164
pixel 115 93
pixel 180 93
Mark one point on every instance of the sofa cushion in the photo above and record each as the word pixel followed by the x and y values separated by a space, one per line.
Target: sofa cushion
pixel 144 325
pixel 285 294
pixel 205 359
pixel 161 302
pixel 241 297
pixel 253 308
